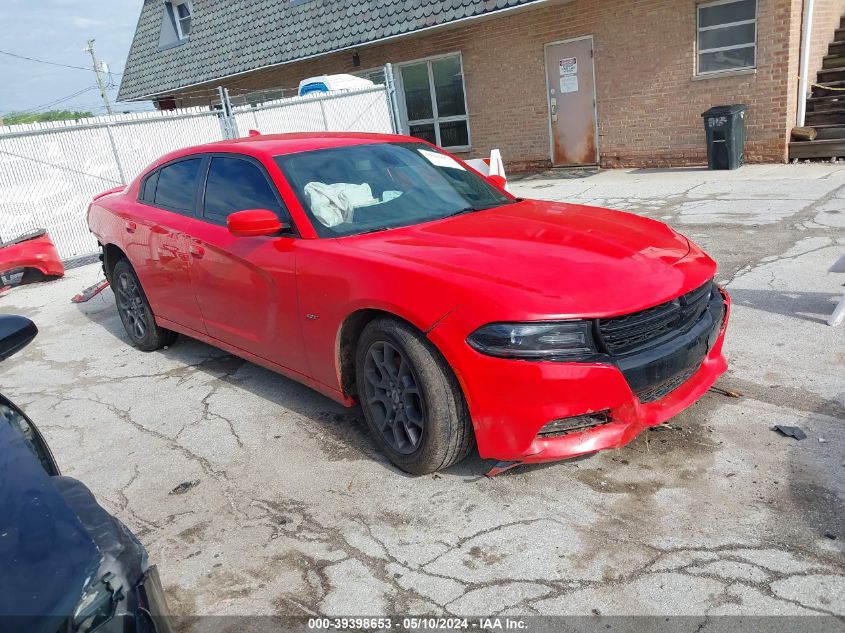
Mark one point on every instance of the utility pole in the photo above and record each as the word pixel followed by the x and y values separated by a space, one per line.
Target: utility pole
pixel 97 71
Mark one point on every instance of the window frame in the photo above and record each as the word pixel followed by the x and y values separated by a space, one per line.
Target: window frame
pixel 142 189
pixel 435 120
pixel 322 231
pixel 284 212
pixel 699 29
pixel 177 21
pixel 192 213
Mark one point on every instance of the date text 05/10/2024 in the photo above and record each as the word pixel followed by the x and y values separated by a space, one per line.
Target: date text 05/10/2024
pixel 418 623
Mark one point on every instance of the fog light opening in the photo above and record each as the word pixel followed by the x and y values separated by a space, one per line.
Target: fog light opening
pixel 575 424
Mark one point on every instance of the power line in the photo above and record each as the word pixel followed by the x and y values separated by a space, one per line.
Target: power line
pixel 57 101
pixel 96 106
pixel 42 61
pixel 67 98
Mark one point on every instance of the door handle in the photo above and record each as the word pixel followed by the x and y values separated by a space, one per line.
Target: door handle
pixel 197 251
pixel 130 227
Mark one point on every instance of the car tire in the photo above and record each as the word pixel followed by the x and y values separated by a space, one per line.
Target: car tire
pixel 412 402
pixel 135 311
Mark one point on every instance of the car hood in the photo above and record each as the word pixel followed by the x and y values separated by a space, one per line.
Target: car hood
pixel 572 256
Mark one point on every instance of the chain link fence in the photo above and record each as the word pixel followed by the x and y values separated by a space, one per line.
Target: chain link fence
pixel 50 172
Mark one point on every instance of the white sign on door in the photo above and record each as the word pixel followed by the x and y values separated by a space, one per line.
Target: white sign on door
pixel 569 83
pixel 568 66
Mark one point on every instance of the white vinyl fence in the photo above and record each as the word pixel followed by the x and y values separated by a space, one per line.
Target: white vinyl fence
pixel 368 111
pixel 49 172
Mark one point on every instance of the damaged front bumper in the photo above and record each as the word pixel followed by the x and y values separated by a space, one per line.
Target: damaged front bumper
pixel 512 402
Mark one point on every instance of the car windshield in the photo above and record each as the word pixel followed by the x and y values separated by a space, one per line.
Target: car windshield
pixel 373 187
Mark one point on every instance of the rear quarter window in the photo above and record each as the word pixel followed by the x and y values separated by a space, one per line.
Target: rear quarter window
pixel 148 188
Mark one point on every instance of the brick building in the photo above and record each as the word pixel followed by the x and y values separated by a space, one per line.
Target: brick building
pixel 620 83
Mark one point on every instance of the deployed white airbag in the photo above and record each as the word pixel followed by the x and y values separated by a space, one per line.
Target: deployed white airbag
pixel 334 204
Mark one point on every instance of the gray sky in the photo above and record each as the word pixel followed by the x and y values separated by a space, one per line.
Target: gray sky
pixel 57 31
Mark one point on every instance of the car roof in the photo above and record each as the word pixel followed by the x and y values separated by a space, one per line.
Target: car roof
pixel 277 144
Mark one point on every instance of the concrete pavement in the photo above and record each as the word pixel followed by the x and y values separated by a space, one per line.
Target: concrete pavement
pixel 256 495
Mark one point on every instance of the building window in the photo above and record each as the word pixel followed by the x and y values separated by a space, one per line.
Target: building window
pixel 727 36
pixel 182 11
pixel 175 23
pixel 435 103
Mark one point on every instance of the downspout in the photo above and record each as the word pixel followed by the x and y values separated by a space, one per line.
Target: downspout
pixel 806 32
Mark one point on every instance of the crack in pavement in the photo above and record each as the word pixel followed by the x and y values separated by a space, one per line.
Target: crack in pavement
pixel 301 549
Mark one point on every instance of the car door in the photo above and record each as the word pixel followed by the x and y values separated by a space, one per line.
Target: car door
pixel 157 239
pixel 246 286
pixel 571 91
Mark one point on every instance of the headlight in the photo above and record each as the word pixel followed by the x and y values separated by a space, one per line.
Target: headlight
pixel 96 606
pixel 564 340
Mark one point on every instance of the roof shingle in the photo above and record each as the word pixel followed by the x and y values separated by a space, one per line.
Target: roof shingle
pixel 228 37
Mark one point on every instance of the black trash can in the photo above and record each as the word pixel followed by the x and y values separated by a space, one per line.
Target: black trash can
pixel 725 130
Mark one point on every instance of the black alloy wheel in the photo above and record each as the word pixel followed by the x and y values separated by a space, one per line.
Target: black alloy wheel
pixel 411 399
pixel 135 311
pixel 393 395
pixel 130 303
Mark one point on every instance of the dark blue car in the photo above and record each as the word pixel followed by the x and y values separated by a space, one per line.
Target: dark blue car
pixel 66 565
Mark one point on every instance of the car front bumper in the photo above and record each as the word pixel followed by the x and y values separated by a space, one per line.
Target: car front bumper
pixel 511 401
pixel 152 603
pixel 143 609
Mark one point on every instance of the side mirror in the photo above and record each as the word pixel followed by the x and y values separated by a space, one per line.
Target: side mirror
pixel 15 333
pixel 254 223
pixel 497 181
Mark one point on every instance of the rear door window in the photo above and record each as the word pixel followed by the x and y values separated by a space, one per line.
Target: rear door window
pixel 235 184
pixel 177 185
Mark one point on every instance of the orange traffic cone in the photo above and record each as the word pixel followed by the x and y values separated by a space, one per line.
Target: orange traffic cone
pixel 492 166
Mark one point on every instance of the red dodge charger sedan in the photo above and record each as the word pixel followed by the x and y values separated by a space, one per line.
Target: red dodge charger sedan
pixel 382 270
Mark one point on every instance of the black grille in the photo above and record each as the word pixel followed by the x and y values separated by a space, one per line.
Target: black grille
pixel 630 332
pixel 653 394
pixel 566 426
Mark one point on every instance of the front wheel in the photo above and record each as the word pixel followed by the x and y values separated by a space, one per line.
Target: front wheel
pixel 412 402
pixel 135 312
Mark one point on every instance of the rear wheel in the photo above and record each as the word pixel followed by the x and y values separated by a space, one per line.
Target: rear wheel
pixel 135 312
pixel 412 402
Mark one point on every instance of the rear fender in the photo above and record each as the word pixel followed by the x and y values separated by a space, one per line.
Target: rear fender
pixel 108 193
